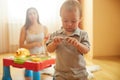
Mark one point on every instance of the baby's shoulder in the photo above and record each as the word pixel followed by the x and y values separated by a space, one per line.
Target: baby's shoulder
pixel 83 31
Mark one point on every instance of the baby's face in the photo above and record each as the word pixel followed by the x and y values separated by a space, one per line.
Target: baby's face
pixel 70 20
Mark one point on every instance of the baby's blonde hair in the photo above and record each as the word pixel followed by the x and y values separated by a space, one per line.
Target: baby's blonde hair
pixel 71 5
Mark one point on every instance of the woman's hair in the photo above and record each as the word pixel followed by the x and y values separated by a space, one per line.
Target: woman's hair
pixel 71 5
pixel 28 22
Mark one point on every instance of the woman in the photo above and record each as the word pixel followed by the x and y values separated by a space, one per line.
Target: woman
pixel 32 35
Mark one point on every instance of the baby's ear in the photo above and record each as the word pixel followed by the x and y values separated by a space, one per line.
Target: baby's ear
pixel 80 24
pixel 80 19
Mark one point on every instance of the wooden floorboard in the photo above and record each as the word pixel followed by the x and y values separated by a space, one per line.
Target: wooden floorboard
pixel 110 68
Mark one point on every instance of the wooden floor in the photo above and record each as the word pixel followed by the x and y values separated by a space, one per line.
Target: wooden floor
pixel 110 69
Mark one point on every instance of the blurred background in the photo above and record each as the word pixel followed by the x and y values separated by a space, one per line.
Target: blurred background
pixel 101 19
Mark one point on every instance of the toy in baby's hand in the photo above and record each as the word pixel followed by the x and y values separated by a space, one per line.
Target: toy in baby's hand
pixel 21 55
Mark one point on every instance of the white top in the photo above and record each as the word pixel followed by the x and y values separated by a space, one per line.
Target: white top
pixel 33 38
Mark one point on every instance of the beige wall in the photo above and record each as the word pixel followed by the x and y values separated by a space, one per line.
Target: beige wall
pixel 106 27
pixel 88 23
pixel 101 21
pixel 3 27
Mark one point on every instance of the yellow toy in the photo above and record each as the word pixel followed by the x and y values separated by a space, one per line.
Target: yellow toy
pixel 21 55
pixel 22 52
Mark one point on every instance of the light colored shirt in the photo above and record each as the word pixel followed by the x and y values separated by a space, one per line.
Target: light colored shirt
pixel 33 38
pixel 68 58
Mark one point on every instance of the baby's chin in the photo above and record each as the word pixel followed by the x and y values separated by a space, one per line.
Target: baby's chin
pixel 70 30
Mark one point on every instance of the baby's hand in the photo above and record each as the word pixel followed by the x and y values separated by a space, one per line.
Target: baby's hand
pixel 57 39
pixel 72 41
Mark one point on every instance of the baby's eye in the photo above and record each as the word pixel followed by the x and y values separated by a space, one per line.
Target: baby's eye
pixel 74 21
pixel 65 21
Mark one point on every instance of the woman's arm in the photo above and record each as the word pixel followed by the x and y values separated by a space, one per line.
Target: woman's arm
pixel 46 34
pixel 45 31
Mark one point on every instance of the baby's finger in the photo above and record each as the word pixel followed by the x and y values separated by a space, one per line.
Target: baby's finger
pixel 68 40
pixel 74 43
pixel 55 40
